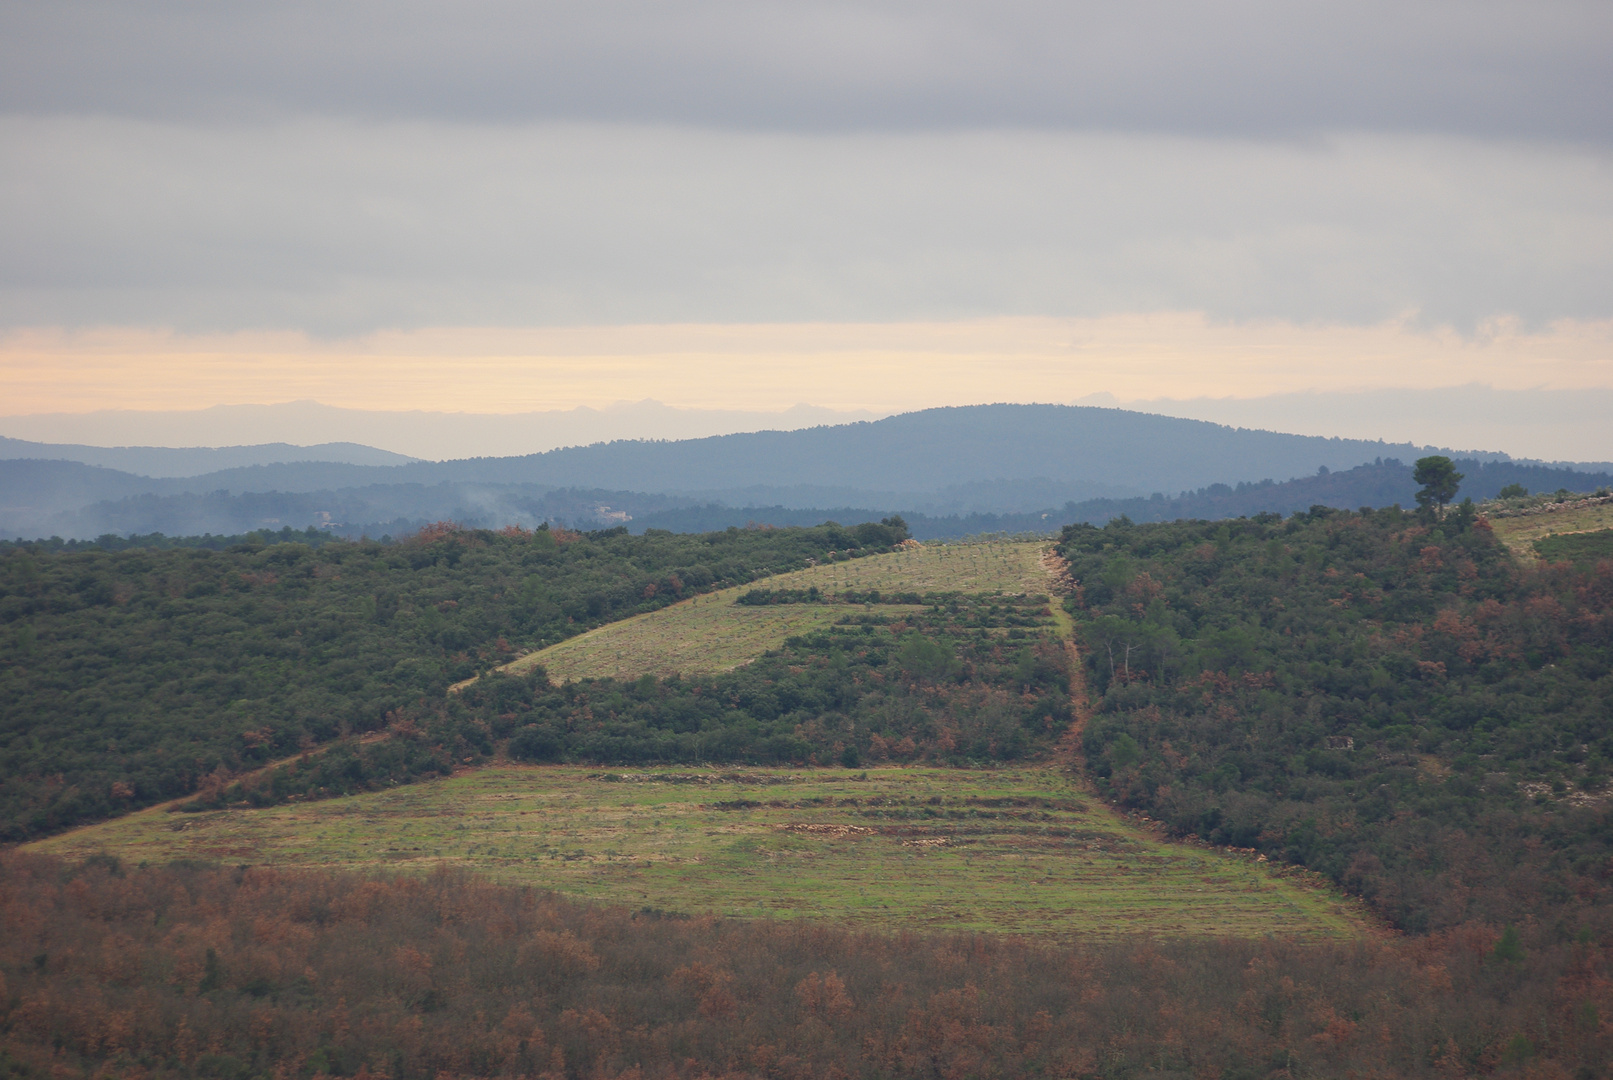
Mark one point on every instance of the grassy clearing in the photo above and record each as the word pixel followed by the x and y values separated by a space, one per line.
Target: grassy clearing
pixel 712 633
pixel 709 634
pixel 1585 547
pixel 1010 850
pixel 1520 533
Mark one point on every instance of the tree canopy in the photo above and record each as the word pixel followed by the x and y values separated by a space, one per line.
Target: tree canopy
pixel 138 674
pixel 1391 701
pixel 1439 479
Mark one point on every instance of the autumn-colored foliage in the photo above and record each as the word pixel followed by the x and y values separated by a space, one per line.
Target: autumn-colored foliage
pixel 227 973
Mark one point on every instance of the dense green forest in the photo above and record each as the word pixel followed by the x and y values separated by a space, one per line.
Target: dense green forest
pixel 1588 547
pixel 968 680
pixel 1387 699
pixel 55 545
pixel 133 676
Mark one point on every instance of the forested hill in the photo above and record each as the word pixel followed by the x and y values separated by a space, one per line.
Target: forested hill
pixel 169 461
pixel 1376 484
pixel 936 448
pixel 939 460
pixel 921 451
pixel 1394 702
pixel 130 676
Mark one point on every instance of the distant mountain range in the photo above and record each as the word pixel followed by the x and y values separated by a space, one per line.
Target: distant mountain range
pixel 979 468
pixel 182 461
pixel 1561 425
pixel 411 433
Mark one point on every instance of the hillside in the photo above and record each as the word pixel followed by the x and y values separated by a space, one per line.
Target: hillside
pixel 804 864
pixel 227 971
pixel 990 459
pixel 1021 851
pixel 168 461
pixel 720 631
pixel 136 674
pixel 39 498
pixel 941 655
pixel 1393 702
pixel 1377 484
pixel 1523 524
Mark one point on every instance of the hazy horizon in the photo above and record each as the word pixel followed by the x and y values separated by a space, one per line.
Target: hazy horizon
pixel 871 207
pixel 1550 426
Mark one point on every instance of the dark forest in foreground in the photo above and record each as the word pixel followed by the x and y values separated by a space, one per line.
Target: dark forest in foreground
pixel 230 974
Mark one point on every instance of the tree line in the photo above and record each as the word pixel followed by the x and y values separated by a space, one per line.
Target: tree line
pixel 968 680
pixel 135 676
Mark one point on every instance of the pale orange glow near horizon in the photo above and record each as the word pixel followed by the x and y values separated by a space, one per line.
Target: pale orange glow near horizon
pixel 883 367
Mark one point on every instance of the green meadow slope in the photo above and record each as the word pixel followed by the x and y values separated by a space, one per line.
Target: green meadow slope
pixel 1024 851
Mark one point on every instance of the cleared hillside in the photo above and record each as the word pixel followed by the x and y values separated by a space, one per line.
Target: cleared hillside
pixel 1522 533
pixel 1020 851
pixel 716 632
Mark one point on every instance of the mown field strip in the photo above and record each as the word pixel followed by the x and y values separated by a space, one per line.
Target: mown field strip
pixel 1005 850
pixel 712 633
pixel 1520 533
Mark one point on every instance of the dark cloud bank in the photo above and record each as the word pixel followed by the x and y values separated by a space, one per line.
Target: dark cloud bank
pixel 1538 70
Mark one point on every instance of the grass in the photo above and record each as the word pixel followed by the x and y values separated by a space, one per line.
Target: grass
pixel 1011 850
pixel 712 633
pixel 1576 547
pixel 709 634
pixel 1520 533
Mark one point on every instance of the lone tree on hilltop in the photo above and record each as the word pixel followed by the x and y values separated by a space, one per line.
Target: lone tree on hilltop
pixel 1440 482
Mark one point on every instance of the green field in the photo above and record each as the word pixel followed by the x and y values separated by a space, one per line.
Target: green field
pixel 1008 850
pixel 1585 547
pixel 1520 533
pixel 712 633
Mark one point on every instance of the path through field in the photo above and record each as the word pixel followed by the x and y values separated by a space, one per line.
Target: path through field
pixel 1067 752
pixel 1027 850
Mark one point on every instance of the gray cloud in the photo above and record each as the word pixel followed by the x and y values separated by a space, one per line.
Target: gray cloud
pixel 345 166
pixel 1254 68
pixel 341 226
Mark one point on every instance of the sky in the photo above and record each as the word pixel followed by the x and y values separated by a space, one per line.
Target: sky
pixel 502 207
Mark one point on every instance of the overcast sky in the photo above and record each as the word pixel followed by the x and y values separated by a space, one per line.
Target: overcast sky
pixel 347 168
pixel 1282 68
